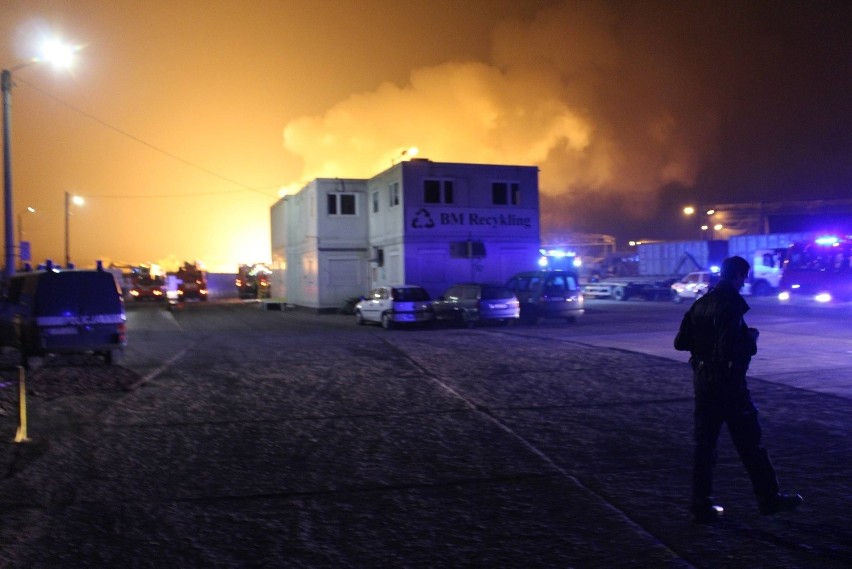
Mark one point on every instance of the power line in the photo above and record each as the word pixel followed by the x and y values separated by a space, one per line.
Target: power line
pixel 153 147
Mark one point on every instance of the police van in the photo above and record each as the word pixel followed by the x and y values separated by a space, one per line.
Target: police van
pixel 63 312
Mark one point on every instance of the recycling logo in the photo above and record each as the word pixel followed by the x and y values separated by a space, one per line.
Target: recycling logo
pixel 422 219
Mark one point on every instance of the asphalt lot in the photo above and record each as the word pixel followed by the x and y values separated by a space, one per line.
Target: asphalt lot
pixel 235 437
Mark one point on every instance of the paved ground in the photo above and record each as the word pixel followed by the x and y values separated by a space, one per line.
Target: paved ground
pixel 324 445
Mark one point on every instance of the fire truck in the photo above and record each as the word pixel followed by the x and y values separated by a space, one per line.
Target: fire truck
pixel 253 281
pixel 147 282
pixel 818 270
pixel 192 282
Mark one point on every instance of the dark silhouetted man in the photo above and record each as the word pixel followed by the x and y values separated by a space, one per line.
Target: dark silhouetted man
pixel 715 333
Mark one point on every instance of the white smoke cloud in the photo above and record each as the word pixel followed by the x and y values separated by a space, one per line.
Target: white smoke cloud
pixel 461 112
pixel 593 99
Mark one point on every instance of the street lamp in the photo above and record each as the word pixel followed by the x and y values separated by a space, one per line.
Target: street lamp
pixel 30 209
pixel 406 154
pixel 76 200
pixel 60 55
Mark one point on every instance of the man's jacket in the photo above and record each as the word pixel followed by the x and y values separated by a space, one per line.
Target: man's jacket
pixel 714 331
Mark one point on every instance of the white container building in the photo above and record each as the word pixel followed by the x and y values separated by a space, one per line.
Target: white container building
pixel 419 222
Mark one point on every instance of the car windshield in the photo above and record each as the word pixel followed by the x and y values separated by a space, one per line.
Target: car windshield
pixel 496 292
pixel 559 284
pixel 410 294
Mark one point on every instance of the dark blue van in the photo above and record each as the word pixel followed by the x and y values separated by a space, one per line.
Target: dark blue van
pixel 61 312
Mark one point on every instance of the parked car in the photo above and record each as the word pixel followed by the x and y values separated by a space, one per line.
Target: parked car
pixel 472 303
pixel 76 311
pixel 694 285
pixel 395 304
pixel 548 294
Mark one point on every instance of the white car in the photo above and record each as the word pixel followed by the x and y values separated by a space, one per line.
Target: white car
pixel 694 285
pixel 395 304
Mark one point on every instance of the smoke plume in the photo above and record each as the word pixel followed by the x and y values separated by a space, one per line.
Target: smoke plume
pixel 603 102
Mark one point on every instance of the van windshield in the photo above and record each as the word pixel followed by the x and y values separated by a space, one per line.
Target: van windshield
pixel 77 293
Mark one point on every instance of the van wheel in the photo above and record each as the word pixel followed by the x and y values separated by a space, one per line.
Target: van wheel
pixel 619 293
pixel 387 320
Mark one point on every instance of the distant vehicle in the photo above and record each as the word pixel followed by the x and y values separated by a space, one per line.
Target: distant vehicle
pixel 818 270
pixel 75 311
pixel 548 294
pixel 253 281
pixel 192 282
pixel 397 304
pixel 148 288
pixel 694 285
pixel 767 254
pixel 472 303
pixel 147 283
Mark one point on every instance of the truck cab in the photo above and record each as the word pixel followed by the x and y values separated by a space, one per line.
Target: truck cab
pixel 766 269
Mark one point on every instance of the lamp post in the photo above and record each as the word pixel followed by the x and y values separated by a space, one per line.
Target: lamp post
pixel 76 200
pixel 60 55
pixel 7 173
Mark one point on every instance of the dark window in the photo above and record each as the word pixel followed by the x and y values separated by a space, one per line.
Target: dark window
pixel 341 204
pixel 438 191
pixel 467 249
pixel 432 191
pixel 505 193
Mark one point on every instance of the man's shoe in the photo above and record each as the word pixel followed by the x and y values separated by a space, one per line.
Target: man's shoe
pixel 780 503
pixel 707 513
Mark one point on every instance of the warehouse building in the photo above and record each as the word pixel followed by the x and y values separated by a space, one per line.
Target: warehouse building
pixel 419 222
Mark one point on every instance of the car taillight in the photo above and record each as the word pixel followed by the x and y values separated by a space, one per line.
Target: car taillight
pixel 122 333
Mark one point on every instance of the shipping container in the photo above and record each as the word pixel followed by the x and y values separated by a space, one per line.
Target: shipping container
pixel 677 258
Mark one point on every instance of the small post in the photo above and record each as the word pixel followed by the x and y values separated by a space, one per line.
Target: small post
pixel 21 435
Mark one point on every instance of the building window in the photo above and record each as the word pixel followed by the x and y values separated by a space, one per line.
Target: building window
pixel 341 204
pixel 438 191
pixel 375 202
pixel 505 193
pixel 467 249
pixel 394 194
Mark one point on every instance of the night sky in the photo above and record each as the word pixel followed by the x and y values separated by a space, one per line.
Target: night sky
pixel 182 121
